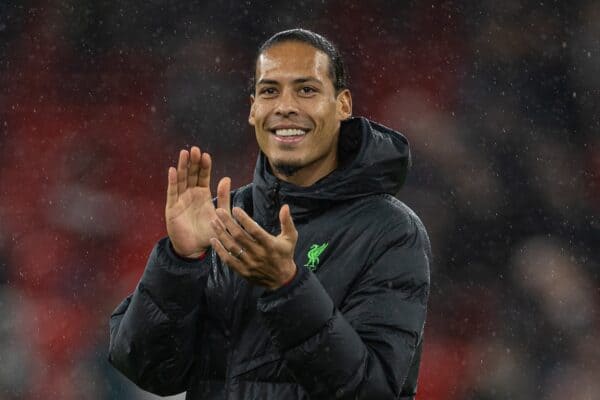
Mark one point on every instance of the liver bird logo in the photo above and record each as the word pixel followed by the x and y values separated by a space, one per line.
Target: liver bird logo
pixel 313 255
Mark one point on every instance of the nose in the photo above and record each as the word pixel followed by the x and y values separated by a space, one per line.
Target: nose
pixel 286 104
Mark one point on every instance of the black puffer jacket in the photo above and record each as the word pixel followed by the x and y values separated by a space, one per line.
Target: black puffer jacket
pixel 348 326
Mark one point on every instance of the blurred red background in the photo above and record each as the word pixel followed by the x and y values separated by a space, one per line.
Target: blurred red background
pixel 497 101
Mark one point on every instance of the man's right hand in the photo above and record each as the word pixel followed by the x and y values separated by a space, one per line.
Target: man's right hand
pixel 190 208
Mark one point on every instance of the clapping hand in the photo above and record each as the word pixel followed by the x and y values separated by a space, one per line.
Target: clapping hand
pixel 189 208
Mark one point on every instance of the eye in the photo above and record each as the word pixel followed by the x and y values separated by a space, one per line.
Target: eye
pixel 308 90
pixel 267 91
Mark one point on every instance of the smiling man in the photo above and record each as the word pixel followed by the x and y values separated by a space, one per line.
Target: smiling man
pixel 297 111
pixel 309 283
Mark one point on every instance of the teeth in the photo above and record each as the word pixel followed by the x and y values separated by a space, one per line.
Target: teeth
pixel 289 132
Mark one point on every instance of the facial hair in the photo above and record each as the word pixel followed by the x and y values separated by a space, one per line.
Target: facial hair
pixel 287 169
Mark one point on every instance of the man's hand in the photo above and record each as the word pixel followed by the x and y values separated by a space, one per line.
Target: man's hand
pixel 189 207
pixel 252 252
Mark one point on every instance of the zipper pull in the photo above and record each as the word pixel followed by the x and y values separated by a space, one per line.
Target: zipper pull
pixel 274 194
pixel 272 225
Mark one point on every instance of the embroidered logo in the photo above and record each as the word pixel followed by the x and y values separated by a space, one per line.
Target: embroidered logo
pixel 313 255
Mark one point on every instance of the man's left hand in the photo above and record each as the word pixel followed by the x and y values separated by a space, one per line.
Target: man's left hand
pixel 251 251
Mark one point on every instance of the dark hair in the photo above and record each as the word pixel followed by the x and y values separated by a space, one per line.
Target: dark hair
pixel 337 69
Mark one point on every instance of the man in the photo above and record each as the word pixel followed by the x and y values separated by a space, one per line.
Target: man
pixel 314 284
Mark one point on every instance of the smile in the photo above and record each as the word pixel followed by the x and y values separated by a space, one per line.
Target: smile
pixel 289 135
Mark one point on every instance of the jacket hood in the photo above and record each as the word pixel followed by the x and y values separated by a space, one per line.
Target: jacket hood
pixel 373 160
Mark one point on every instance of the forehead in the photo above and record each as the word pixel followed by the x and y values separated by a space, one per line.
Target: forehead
pixel 288 60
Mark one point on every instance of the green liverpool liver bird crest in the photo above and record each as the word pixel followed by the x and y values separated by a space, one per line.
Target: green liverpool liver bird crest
pixel 313 255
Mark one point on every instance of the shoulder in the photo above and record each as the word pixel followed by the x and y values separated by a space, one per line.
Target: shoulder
pixel 392 212
pixel 396 223
pixel 402 249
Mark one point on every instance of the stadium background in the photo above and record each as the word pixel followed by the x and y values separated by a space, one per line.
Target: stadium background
pixel 500 103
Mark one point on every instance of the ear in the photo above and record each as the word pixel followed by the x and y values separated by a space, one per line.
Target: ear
pixel 344 105
pixel 251 119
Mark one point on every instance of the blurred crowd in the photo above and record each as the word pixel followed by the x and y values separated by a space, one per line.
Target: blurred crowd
pixel 498 99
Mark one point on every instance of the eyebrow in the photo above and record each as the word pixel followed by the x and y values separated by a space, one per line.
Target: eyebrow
pixel 303 79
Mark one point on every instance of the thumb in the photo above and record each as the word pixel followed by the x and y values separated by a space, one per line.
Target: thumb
pixel 288 229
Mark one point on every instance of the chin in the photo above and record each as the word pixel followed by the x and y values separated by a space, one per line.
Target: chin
pixel 287 170
pixel 287 167
pixel 287 158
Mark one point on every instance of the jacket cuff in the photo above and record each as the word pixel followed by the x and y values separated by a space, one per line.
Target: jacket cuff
pixel 281 291
pixel 176 258
pixel 296 311
pixel 175 284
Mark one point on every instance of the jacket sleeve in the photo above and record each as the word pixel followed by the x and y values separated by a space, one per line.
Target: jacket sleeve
pixel 365 349
pixel 153 331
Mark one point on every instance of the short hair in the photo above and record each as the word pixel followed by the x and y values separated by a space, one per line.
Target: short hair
pixel 337 69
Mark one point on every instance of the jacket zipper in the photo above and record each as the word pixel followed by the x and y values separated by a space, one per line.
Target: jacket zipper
pixel 235 333
pixel 274 197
